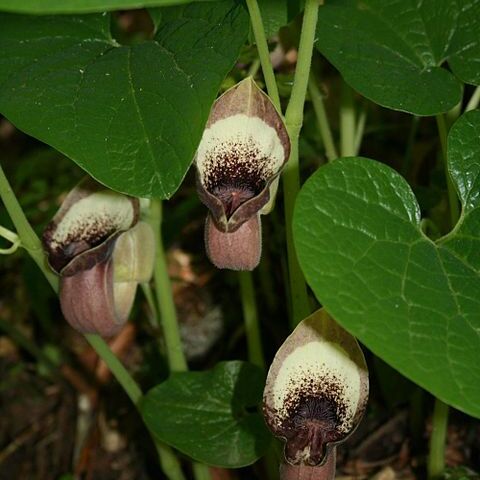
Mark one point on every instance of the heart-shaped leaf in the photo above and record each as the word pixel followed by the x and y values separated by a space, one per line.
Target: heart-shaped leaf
pixel 414 302
pixel 392 52
pixel 132 116
pixel 204 414
pixel 81 6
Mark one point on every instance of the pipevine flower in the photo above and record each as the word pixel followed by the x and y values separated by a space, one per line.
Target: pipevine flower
pixel 101 251
pixel 315 395
pixel 243 149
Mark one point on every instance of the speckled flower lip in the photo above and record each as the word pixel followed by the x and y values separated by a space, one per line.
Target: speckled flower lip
pixel 101 251
pixel 316 390
pixel 243 149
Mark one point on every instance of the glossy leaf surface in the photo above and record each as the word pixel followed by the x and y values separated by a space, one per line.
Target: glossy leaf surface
pixel 412 301
pixel 204 414
pixel 393 52
pixel 132 116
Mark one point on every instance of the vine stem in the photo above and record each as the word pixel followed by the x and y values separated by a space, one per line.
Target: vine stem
pixel 30 241
pixel 148 294
pixel 168 313
pixel 360 128
pixel 11 237
pixel 263 53
pixel 250 315
pixel 116 367
pixel 28 238
pixel 163 289
pixel 436 456
pixel 452 195
pixel 291 175
pixel 322 118
pixel 347 122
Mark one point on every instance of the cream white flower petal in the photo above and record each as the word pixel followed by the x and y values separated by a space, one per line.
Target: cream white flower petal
pixel 239 150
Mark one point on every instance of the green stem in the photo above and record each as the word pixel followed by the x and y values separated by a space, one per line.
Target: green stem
pixel 168 313
pixel 7 234
pixel 250 316
pixel 163 288
pixel 347 122
pixel 28 237
pixel 436 457
pixel 168 461
pixel 116 367
pixel 452 195
pixel 300 304
pixel 474 100
pixel 291 175
pixel 294 113
pixel 263 53
pixel 360 128
pixel 32 244
pixel 148 293
pixel 201 471
pixel 322 119
pixel 11 237
pixel 252 71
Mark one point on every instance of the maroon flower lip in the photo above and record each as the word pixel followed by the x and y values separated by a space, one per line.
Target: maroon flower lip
pixel 243 150
pixel 101 251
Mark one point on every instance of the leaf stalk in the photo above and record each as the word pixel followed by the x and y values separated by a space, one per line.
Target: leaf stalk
pixel 322 118
pixel 291 175
pixel 250 316
pixel 263 53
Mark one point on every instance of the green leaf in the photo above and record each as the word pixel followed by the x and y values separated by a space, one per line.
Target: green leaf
pixel 81 6
pixel 204 414
pixel 132 116
pixel 393 52
pixel 414 302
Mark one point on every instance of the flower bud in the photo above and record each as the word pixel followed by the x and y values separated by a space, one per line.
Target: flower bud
pixel 243 149
pixel 315 394
pixel 101 253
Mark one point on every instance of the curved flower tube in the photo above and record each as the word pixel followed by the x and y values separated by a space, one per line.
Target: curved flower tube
pixel 101 252
pixel 315 395
pixel 243 149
